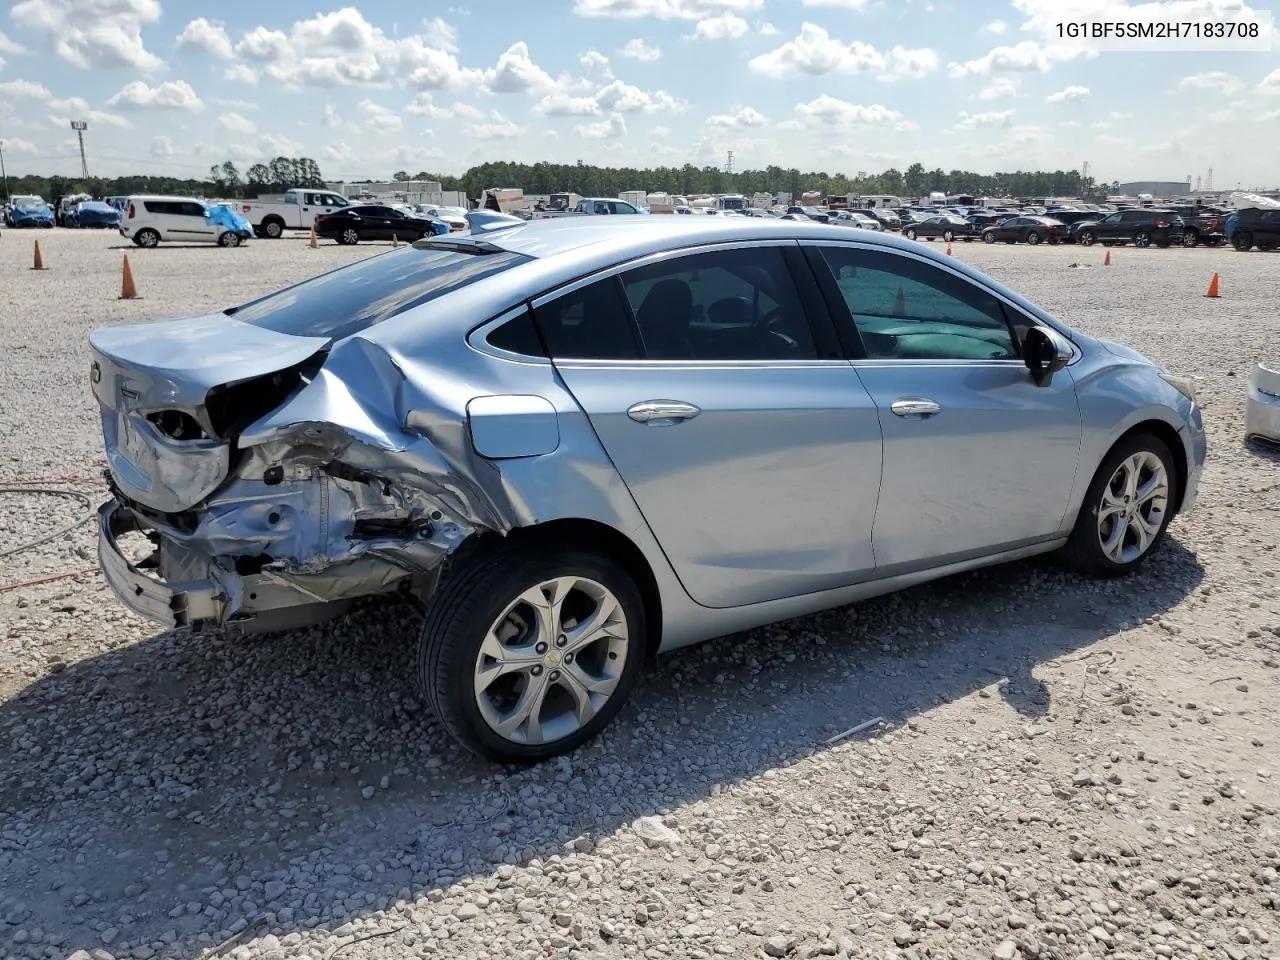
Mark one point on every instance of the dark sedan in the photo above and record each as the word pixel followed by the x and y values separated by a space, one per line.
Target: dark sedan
pixel 813 213
pixel 948 226
pixel 373 222
pixel 1030 230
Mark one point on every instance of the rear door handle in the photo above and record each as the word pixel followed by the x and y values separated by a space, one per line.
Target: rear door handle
pixel 659 412
pixel 915 407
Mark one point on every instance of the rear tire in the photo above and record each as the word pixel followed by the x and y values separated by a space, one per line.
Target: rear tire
pixel 1243 242
pixel 1126 510
pixel 911 234
pixel 1190 238
pixel 1142 239
pixel 485 652
pixel 1032 237
pixel 229 239
pixel 1087 238
pixel 349 236
pixel 948 235
pixel 273 229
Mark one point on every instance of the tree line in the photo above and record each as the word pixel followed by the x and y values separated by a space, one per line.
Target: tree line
pixel 226 180
pixel 915 181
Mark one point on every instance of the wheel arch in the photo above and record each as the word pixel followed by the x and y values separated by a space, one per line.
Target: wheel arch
pixel 585 534
pixel 1167 434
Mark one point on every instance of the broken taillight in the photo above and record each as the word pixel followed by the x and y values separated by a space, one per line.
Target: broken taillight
pixel 132 211
pixel 1162 223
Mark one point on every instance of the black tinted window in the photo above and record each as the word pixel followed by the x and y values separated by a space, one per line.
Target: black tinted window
pixel 518 336
pixel 728 305
pixel 162 206
pixel 905 309
pixel 355 297
pixel 591 323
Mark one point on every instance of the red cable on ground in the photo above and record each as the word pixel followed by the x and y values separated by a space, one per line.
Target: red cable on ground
pixel 57 576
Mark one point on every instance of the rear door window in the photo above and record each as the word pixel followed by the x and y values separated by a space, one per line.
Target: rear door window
pixel 355 297
pixel 590 323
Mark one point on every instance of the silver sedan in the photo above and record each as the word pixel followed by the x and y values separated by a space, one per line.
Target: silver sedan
pixel 582 441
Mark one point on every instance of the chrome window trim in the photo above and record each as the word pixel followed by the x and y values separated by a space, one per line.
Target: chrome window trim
pixel 1076 353
pixel 477 340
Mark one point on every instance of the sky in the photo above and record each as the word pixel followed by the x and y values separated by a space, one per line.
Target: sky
pixel 846 86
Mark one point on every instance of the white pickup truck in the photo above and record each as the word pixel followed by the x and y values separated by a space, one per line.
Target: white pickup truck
pixel 296 211
pixel 591 206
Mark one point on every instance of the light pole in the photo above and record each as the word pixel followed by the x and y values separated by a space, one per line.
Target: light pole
pixel 80 126
pixel 4 173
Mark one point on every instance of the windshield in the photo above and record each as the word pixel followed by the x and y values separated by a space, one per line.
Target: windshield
pixel 355 297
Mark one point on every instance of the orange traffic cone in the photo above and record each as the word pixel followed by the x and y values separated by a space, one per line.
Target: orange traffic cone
pixel 127 290
pixel 948 249
pixel 900 304
pixel 39 260
pixel 312 241
pixel 1213 287
pixel 1106 261
pixel 395 241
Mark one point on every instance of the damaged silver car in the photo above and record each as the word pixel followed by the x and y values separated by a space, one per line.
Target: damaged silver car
pixel 582 441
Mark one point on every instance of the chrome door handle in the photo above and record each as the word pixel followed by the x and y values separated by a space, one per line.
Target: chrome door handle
pixel 660 411
pixel 915 407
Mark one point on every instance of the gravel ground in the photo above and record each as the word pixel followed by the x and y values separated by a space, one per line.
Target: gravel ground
pixel 1066 769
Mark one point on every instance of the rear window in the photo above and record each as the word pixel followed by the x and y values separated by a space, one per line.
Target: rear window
pixel 353 298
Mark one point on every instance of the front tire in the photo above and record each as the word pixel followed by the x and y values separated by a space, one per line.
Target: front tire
pixel 349 237
pixel 988 238
pixel 1190 238
pixel 911 234
pixel 1243 242
pixel 1032 237
pixel 1126 510
pixel 147 238
pixel 229 239
pixel 527 654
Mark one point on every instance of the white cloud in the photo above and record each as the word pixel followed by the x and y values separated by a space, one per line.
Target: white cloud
pixel 497 127
pixel 264 45
pixel 468 112
pixel 996 118
pixel 904 64
pixel 1216 80
pixel 727 26
pixel 1072 94
pixel 517 73
pixel 330 118
pixel 613 127
pixel 996 27
pixel 424 105
pixel 240 73
pixel 1000 88
pixel 829 112
pixel 201 36
pixel 1025 57
pixel 661 131
pixel 10 46
pixel 766 29
pixel 560 105
pixel 379 118
pixel 445 73
pixel 172 95
pixel 638 49
pixel 93 34
pixel 162 147
pixel 619 97
pixel 18 145
pixel 440 35
pixel 746 117
pixel 663 9
pixel 596 62
pixel 24 90
pixel 237 123
pixel 814 52
pixel 1270 84
pixel 843 4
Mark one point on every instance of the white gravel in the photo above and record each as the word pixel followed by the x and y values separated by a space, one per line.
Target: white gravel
pixel 1068 769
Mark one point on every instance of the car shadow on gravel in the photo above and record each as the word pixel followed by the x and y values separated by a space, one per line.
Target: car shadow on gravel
pixel 173 792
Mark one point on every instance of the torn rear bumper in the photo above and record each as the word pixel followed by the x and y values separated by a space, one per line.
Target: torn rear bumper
pixel 170 604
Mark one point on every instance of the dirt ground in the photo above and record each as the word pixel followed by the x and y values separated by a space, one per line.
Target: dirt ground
pixel 1066 768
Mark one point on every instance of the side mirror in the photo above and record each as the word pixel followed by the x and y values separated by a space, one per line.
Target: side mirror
pixel 1045 352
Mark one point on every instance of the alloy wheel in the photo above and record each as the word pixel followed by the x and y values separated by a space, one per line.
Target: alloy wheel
pixel 1134 503
pixel 1142 239
pixel 350 235
pixel 551 661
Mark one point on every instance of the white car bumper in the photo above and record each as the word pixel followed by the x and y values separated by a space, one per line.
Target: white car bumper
pixel 1262 408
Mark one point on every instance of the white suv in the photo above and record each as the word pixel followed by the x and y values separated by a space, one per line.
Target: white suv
pixel 148 220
